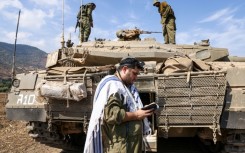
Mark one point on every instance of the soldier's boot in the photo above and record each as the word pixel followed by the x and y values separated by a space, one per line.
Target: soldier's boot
pixel 85 39
pixel 81 38
pixel 166 40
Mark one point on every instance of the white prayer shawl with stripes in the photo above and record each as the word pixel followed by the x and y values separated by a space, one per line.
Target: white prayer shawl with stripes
pixel 108 86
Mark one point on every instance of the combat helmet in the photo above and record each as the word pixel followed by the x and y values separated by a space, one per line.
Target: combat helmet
pixel 155 1
pixel 92 4
pixel 120 33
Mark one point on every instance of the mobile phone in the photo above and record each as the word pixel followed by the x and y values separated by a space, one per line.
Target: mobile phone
pixel 153 106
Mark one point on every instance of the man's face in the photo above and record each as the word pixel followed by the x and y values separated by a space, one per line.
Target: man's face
pixel 129 75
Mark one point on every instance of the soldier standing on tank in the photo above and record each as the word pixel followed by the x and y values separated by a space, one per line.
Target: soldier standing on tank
pixel 85 21
pixel 167 21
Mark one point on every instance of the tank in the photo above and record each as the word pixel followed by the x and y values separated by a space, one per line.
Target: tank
pixel 199 88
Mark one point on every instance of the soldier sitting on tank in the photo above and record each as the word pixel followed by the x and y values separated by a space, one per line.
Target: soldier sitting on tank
pixel 69 43
pixel 128 35
pixel 203 43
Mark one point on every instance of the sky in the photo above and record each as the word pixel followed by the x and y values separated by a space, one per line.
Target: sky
pixel 41 22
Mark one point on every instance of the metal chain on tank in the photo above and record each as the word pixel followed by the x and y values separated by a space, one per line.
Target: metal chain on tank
pixel 85 123
pixel 85 118
pixel 166 128
pixel 215 122
pixel 68 88
pixel 214 128
pixel 50 118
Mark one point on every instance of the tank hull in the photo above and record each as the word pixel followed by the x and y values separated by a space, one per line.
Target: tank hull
pixel 206 104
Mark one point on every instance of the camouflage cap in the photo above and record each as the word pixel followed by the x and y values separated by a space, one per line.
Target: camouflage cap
pixel 155 1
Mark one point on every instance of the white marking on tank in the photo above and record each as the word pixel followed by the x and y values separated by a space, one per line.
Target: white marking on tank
pixel 26 100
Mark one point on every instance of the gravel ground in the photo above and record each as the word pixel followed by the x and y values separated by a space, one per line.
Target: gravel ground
pixel 14 137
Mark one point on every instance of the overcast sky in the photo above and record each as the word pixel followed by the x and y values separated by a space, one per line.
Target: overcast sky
pixel 221 21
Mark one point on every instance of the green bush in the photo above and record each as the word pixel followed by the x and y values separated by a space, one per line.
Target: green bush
pixel 4 89
pixel 5 85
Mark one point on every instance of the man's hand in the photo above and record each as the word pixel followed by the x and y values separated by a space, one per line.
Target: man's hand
pixel 141 114
pixel 137 115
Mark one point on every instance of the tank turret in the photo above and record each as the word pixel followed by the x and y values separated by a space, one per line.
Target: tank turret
pixel 99 53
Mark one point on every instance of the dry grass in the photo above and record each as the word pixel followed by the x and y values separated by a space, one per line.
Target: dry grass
pixel 3 97
pixel 14 137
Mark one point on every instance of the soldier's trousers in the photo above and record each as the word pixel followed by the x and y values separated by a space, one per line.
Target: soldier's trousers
pixel 169 31
pixel 85 31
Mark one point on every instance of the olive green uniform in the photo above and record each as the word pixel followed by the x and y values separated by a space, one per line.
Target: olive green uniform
pixel 168 23
pixel 85 22
pixel 119 136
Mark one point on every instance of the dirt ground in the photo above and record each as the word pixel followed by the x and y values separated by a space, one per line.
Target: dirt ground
pixel 14 137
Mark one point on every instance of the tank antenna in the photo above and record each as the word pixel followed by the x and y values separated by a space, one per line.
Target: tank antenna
pixel 17 28
pixel 62 37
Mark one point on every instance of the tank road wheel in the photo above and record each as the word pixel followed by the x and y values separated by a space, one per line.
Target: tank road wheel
pixel 53 138
pixel 215 148
pixel 75 141
pixel 235 142
pixel 208 145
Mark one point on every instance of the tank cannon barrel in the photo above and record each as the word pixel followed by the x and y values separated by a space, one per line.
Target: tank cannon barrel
pixel 147 32
pixel 236 59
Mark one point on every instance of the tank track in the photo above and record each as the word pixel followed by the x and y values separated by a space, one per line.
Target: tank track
pixel 40 133
pixel 235 142
pixel 181 145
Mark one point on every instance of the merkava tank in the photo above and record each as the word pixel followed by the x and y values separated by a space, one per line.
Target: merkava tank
pixel 199 88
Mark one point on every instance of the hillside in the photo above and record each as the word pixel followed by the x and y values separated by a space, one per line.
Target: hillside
pixel 27 58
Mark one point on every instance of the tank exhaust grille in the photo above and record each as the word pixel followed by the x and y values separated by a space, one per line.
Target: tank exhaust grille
pixel 197 103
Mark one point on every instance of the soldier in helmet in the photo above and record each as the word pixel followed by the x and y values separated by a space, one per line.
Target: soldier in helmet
pixel 167 21
pixel 85 21
pixel 128 35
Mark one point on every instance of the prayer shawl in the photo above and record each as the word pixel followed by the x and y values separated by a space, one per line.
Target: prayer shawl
pixel 108 86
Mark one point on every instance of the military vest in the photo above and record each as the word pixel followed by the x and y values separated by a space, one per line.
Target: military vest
pixel 84 10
